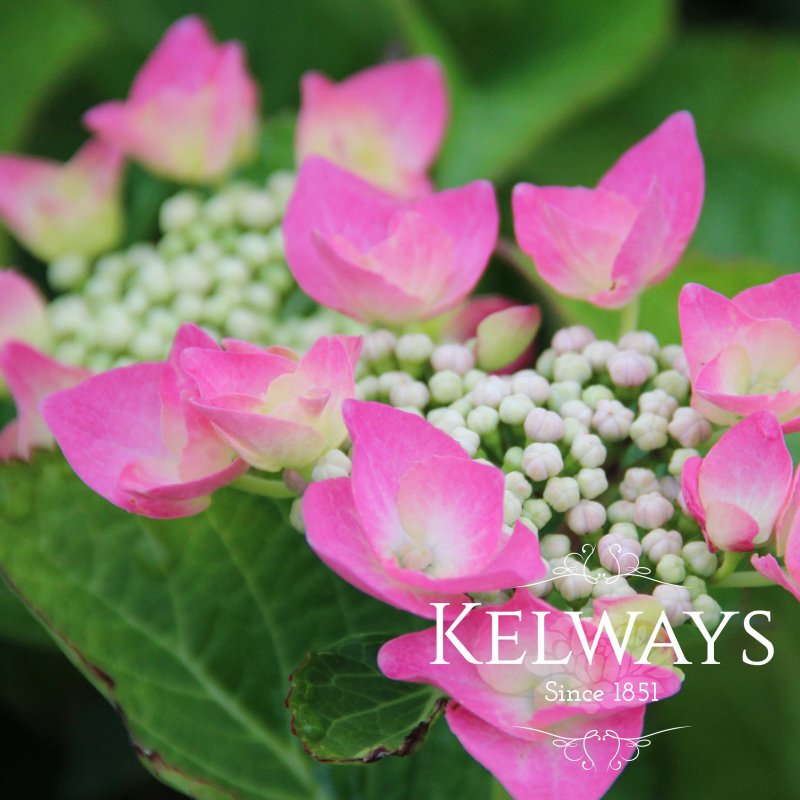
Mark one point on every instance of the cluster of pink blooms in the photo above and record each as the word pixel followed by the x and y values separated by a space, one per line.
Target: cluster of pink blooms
pixel 418 520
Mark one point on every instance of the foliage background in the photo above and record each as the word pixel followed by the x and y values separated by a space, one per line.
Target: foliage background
pixel 545 91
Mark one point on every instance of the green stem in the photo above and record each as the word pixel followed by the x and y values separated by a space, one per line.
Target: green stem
pixel 744 580
pixel 265 487
pixel 629 317
pixel 729 563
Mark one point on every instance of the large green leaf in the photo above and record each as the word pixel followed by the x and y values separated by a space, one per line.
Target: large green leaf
pixel 344 709
pixel 533 66
pixel 192 628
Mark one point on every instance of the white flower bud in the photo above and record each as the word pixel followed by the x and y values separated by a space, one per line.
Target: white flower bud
pixel 512 508
pixel 541 461
pixel 445 386
pixel 669 353
pixel 490 391
pixel 658 402
pixel 679 458
pixel 254 248
pixel 572 429
pixel 136 301
pixel 244 323
pixel 68 272
pixel 592 395
pixel 68 314
pixel 669 487
pixel 483 420
pixel 296 515
pixel 671 569
pixel 619 554
pixel 649 431
pixel 695 585
pixel 367 388
pixel 538 512
pixel 561 392
pixel 515 408
pixel 612 420
pixel 156 280
pixel 162 321
pixel 512 459
pixel 115 327
pixel 256 209
pixel 517 484
pixel 616 587
pixel 652 510
pixel 562 494
pixel 147 345
pixel 592 482
pixel 589 450
pixel 575 585
pixel 261 297
pixel 659 543
pixel 472 378
pixel 463 405
pixel 636 481
pixel 414 348
pixel 209 252
pixel 409 393
pixel 586 517
pixel 333 464
pixel 554 546
pixel 675 600
pixel 620 511
pixel 674 384
pixel 542 425
pixel 219 210
pixel 532 384
pixel 629 368
pixel 179 211
pixel 378 345
pixel 453 357
pixel 544 364
pixel 625 529
pixel 446 419
pixel 543 587
pixel 232 271
pixel 689 428
pixel 468 439
pixel 699 559
pixel 190 275
pixel 392 378
pixel 572 367
pixel 572 339
pixel 641 341
pixel 576 409
pixel 598 353
pixel 710 609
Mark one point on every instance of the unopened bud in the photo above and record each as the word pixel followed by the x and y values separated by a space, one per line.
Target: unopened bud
pixel 572 367
pixel 674 384
pixel 575 585
pixel 589 450
pixel 468 439
pixel 541 461
pixel 378 345
pixel 671 568
pixel 490 391
pixel 561 392
pixel 518 485
pixel 586 517
pixel 710 609
pixel 619 554
pixel 641 341
pixel 598 353
pixel 612 420
pixel 577 409
pixel 679 458
pixel 453 357
pixel 572 339
pixel 554 546
pixel 695 585
pixel 445 386
pixel 652 510
pixel 658 402
pixel 620 511
pixel 562 494
pixel 333 464
pixel 409 393
pixel 630 368
pixel 699 559
pixel 689 428
pixel 515 408
pixel 538 512
pixel 659 543
pixel 414 348
pixel 649 432
pixel 542 425
pixel 592 481
pixel 446 419
pixel 638 481
pixel 531 384
pixel 512 508
pixel 676 600
pixel 544 364
pixel 483 420
pixel 592 395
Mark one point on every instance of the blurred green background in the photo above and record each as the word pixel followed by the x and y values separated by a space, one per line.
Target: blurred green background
pixel 549 92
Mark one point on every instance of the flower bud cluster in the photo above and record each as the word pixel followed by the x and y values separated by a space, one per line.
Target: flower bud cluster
pixel 592 442
pixel 219 262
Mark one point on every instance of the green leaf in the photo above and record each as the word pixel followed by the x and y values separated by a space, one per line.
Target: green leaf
pixel 535 66
pixel 344 709
pixel 190 628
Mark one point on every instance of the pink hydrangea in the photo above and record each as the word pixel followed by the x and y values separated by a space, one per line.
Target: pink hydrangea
pixel 133 435
pixel 418 521
pixel 744 354
pixel 738 490
pixel 192 113
pixel 363 252
pixel 385 123
pixel 607 244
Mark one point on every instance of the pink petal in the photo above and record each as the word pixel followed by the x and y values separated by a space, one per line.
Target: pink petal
pixel 506 336
pixel 221 372
pixel 23 310
pixel 31 377
pixel 768 566
pixel 749 467
pixel 520 765
pixel 789 517
pixel 671 155
pixel 729 527
pixel 387 443
pixel 396 112
pixel 777 300
pixel 691 489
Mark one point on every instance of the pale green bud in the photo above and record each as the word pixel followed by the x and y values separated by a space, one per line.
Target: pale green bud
pixel 562 494
pixel 446 386
pixel 538 512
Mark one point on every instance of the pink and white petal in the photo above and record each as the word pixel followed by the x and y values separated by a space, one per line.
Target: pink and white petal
pixel 263 441
pixel 709 323
pixel 335 533
pixel 751 467
pixel 789 517
pixel 769 567
pixel 729 527
pixel 518 563
pixel 387 443
pixel 670 154
pixel 723 408
pixel 520 765
pixel 506 336
pixel 23 311
pixel 32 376
pixel 224 372
pixel 779 299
